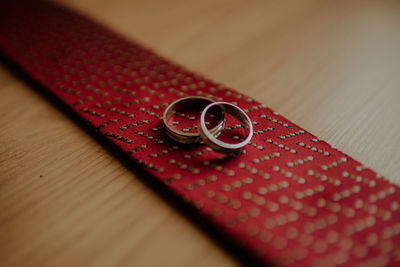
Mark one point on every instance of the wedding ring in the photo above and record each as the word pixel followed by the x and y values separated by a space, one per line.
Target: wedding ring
pixel 211 140
pixel 197 103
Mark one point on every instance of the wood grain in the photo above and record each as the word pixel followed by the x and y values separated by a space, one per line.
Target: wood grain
pixel 332 67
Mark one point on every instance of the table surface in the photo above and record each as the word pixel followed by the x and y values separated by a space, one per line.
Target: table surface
pixel 332 67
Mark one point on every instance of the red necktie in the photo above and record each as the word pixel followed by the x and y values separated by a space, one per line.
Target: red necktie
pixel 291 199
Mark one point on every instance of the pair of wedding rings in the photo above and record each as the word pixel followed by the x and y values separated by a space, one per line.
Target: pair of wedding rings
pixel 209 109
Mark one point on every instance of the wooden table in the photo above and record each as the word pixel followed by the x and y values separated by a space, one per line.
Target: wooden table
pixel 333 67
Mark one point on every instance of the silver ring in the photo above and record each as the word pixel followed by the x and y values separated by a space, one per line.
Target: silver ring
pixel 192 102
pixel 211 140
